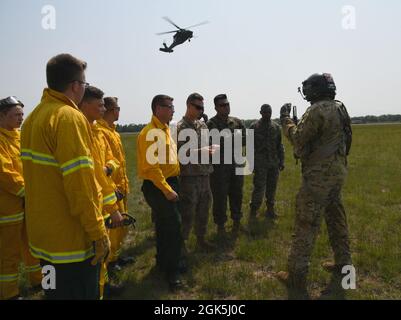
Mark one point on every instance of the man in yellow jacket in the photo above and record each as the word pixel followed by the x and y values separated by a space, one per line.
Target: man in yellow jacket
pixel 63 203
pixel 13 238
pixel 106 166
pixel 120 178
pixel 159 168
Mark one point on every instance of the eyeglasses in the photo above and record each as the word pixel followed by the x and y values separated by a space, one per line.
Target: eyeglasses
pixel 170 106
pixel 224 105
pixel 200 108
pixel 10 101
pixel 117 108
pixel 86 84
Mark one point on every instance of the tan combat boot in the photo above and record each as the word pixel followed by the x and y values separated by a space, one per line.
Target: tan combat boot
pixel 296 285
pixel 331 267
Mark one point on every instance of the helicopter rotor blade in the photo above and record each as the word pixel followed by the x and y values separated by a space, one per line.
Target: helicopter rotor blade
pixel 175 31
pixel 197 25
pixel 170 21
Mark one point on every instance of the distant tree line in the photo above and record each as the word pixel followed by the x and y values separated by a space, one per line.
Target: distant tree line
pixel 377 119
pixel 356 120
pixel 130 127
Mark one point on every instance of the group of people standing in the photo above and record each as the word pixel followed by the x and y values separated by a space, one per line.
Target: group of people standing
pixel 74 182
pixel 180 194
pixel 68 164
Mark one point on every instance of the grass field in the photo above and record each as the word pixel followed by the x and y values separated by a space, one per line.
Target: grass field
pixel 243 268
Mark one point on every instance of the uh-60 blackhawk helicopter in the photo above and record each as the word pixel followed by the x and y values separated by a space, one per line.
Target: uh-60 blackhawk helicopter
pixel 181 35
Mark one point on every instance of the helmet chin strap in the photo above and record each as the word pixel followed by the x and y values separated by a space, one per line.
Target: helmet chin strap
pixel 300 92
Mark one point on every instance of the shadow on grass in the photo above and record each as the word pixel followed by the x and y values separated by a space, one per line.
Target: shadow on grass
pixel 151 287
pixel 260 228
pixel 141 247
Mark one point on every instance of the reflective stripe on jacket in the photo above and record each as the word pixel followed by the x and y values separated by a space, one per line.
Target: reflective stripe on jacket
pixel 12 189
pixel 63 201
pixel 103 157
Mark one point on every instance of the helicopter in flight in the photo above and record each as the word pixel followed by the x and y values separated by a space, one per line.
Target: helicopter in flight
pixel 181 35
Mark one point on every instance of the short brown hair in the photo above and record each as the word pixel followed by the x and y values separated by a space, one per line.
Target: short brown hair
pixel 194 96
pixel 157 100
pixel 110 102
pixel 219 97
pixel 92 93
pixel 62 70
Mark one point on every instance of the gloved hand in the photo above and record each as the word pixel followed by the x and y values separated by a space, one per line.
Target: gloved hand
pixel 117 219
pixel 108 171
pixel 120 196
pixel 285 111
pixel 102 249
pixel 127 220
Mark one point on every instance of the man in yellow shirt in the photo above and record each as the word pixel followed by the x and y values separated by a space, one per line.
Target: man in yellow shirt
pixel 158 167
pixel 13 239
pixel 63 205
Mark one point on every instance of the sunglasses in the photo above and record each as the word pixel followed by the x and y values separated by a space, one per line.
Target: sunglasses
pixel 224 105
pixel 200 108
pixel 170 106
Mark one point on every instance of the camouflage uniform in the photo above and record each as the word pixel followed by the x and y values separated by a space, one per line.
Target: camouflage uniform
pixel 321 140
pixel 224 181
pixel 195 193
pixel 269 157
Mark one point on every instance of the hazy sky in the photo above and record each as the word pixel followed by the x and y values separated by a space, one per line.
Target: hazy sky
pixel 256 51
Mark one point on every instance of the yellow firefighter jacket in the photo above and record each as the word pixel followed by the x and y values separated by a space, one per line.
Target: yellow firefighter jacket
pixel 103 157
pixel 62 198
pixel 112 136
pixel 12 189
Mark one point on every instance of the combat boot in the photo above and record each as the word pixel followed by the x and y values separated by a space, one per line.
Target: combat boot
pixel 296 285
pixel 271 213
pixel 221 230
pixel 236 228
pixel 252 215
pixel 331 267
pixel 203 245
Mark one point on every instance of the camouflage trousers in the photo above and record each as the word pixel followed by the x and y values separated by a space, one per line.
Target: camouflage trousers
pixel 320 196
pixel 264 184
pixel 195 197
pixel 225 183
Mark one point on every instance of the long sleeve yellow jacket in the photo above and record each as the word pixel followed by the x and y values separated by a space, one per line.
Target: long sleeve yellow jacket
pixel 161 163
pixel 63 201
pixel 120 176
pixel 12 189
pixel 103 157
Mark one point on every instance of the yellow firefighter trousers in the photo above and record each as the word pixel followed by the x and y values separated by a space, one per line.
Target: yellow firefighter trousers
pixel 14 250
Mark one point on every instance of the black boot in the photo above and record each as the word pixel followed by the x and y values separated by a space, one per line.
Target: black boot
pixel 270 212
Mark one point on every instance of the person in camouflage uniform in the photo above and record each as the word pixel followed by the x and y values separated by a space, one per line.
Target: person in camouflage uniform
pixel 195 194
pixel 322 140
pixel 224 181
pixel 269 160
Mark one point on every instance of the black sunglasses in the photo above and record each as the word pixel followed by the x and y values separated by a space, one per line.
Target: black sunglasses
pixel 224 104
pixel 198 106
pixel 170 106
